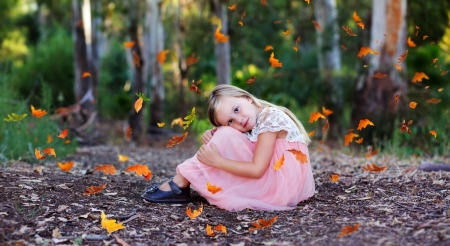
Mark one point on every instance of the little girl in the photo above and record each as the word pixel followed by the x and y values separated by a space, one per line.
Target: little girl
pixel 249 158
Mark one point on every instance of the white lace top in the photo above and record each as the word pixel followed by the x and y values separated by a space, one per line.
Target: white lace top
pixel 273 120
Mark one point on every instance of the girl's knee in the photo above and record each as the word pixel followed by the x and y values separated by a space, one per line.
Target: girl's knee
pixel 227 131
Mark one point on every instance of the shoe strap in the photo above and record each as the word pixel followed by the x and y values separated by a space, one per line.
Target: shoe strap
pixel 174 187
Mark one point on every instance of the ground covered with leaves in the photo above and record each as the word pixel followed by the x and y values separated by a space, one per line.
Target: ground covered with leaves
pixel 400 206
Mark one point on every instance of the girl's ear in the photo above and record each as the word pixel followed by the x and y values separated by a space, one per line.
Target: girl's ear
pixel 249 99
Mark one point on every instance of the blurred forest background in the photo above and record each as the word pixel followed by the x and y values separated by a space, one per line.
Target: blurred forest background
pixel 83 61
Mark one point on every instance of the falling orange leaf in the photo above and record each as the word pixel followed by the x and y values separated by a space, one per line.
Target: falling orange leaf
pixel 85 75
pixel 194 86
pixel 440 89
pixel 405 127
pixel 402 56
pixel 371 152
pixel 295 48
pixel 412 105
pixel 348 230
pixel 161 57
pixel 358 20
pixel 349 30
pixel 176 140
pixel 129 44
pixel 262 223
pixel 268 47
pixel 177 121
pixel 334 177
pixel 195 213
pixel 38 154
pixel 433 132
pixel 307 1
pixel 311 133
pixel 250 80
pixel 106 168
pixel 122 158
pixel 38 113
pixel 434 100
pixel 411 43
pixel 366 50
pixel 94 189
pixel 424 37
pixel 140 169
pixel 138 104
pixel 359 141
pixel 364 123
pixel 232 7
pixel 326 112
pixel 274 62
pixel 128 133
pixel 287 32
pixel 397 97
pixel 435 60
pixel 63 134
pixel 213 188
pixel 444 72
pixel 317 25
pixel 379 75
pixel 348 138
pixel 49 138
pixel 277 22
pixel 191 60
pixel 279 163
pixel 325 128
pixel 67 141
pixel 66 166
pixel 264 2
pixel 374 168
pixel 220 37
pixel 418 76
pixel 241 23
pixel 299 156
pixel 49 151
pixel 297 41
pixel 243 15
pixel 315 116
pixel 343 47
pixel 161 124
pixel 399 68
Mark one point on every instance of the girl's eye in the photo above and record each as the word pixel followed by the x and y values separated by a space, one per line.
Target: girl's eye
pixel 236 109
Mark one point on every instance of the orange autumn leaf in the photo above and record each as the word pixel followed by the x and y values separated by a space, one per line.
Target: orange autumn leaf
pixel 194 213
pixel 379 75
pixel 106 168
pixel 49 138
pixel 311 133
pixel 274 62
pixel 262 223
pixel 243 15
pixel 220 228
pixel 358 20
pixel 49 151
pixel 85 75
pixel 374 168
pixel 177 121
pixel 191 60
pixel 128 44
pixel 418 76
pixel 138 104
pixel 307 1
pixel 212 188
pixel 402 56
pixel 94 189
pixel 434 100
pixel 440 89
pixel 268 47
pixel 405 127
pixel 110 224
pixel 359 141
pixel 371 153
pixel 232 7
pixel 161 57
pixel 279 163
pixel 122 158
pixel 241 23
pixel 435 60
pixel 412 105
pixel 325 128
pixel 424 37
pixel 66 166
pixel 397 97
pixel 287 32
pixel 334 177
pixel 417 30
pixel 194 86
pixel 426 87
pixel 295 48
pixel 297 41
pixel 411 43
pixel 220 37
pixel 161 124
pixel 366 50
pixel 176 140
pixel 38 154
pixel 364 123
pixel 348 230
pixel 264 2
pixel 63 134
pixel 348 138
pixel 299 156
pixel 67 141
pixel 348 30
pixel 209 231
pixel 343 47
pixel 444 72
pixel 433 132
pixel 250 80
pixel 140 169
pixel 326 112
pixel 136 59
pixel 317 25
pixel 38 113
pixel 128 133
pixel 399 68
pixel 277 22
pixel 315 116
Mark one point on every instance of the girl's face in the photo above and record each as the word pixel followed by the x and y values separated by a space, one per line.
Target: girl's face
pixel 237 112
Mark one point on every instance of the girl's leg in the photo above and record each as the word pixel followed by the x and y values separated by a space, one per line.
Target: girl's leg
pixel 178 180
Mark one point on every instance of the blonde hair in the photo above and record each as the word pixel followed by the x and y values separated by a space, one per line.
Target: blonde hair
pixel 233 91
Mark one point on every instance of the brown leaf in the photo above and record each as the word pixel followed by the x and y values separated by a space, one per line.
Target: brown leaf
pixel 176 140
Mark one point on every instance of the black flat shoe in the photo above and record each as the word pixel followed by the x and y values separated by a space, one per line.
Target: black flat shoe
pixel 176 195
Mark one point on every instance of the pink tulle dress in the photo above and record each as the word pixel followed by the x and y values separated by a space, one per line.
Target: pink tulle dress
pixel 280 189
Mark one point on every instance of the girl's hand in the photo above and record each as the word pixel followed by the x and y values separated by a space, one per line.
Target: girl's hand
pixel 208 135
pixel 209 155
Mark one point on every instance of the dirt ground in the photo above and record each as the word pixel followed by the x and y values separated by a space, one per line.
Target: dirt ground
pixel 401 206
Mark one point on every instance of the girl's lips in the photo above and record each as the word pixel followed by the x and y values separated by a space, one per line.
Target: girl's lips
pixel 246 123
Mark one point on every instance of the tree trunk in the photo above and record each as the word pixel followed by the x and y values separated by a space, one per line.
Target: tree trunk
pixel 222 49
pixel 180 66
pixel 329 59
pixel 135 119
pixel 155 45
pixel 375 97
